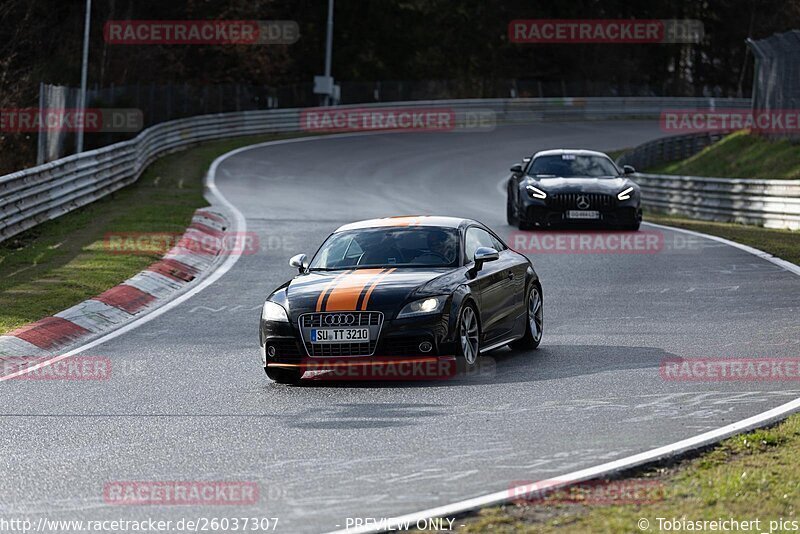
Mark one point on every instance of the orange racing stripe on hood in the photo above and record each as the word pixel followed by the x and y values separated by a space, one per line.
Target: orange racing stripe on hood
pixel 377 281
pixel 403 220
pixel 344 295
pixel 328 287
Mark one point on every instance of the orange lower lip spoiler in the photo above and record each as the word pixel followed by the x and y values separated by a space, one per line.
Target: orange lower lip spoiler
pixel 410 368
pixel 360 361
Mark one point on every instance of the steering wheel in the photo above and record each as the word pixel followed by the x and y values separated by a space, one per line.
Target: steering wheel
pixel 437 254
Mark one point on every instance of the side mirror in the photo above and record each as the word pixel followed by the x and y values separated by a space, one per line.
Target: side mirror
pixel 517 168
pixel 300 261
pixel 484 254
pixel 628 169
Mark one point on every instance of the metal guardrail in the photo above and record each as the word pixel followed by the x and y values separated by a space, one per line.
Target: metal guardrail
pixel 768 203
pixel 39 194
pixel 667 149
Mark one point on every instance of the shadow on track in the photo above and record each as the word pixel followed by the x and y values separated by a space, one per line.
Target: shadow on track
pixel 505 366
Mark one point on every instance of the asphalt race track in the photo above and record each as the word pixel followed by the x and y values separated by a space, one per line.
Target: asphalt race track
pixel 189 400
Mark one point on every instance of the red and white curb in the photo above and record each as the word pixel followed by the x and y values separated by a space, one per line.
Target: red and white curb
pixel 181 266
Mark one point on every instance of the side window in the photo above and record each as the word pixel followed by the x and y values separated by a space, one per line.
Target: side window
pixel 477 237
pixel 498 245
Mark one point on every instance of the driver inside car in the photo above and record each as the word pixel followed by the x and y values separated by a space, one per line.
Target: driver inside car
pixel 441 247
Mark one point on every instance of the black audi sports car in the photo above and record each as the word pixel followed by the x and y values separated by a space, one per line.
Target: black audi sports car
pixel 572 187
pixel 401 287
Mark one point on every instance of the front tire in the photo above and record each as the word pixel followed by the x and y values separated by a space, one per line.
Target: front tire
pixel 284 376
pixel 469 337
pixel 534 323
pixel 511 216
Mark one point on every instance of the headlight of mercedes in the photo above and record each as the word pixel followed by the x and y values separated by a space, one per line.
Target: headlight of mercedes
pixel 273 312
pixel 625 194
pixel 535 192
pixel 426 306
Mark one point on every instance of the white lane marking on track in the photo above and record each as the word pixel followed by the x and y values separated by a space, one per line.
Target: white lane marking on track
pixel 628 462
pixel 791 267
pixel 240 227
pixel 509 494
pixel 505 495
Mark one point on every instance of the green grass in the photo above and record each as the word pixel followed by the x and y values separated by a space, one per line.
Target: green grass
pixel 740 155
pixel 63 262
pixel 754 475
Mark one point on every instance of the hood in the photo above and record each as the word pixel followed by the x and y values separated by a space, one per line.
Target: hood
pixel 609 186
pixel 362 289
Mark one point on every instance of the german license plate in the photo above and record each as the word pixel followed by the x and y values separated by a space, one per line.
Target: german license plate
pixel 583 214
pixel 339 335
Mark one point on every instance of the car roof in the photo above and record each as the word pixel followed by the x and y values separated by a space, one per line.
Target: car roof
pixel 575 151
pixel 407 220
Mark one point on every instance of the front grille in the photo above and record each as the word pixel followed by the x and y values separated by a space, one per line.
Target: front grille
pixel 569 201
pixel 373 320
pixel 315 320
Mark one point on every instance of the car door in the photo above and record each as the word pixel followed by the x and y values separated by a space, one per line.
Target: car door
pixel 514 305
pixel 490 285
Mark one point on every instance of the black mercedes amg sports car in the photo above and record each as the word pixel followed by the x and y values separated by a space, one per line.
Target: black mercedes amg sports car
pixel 581 187
pixel 401 287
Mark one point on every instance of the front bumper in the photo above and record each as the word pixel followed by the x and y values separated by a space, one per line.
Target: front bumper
pixel 398 338
pixel 546 213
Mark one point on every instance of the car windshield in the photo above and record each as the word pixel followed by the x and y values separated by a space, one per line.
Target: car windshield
pixel 389 247
pixel 572 166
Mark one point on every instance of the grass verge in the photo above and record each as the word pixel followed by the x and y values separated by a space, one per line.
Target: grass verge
pixel 740 155
pixel 63 262
pixel 747 477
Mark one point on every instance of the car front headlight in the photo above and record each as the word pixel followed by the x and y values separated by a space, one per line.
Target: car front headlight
pixel 426 306
pixel 535 192
pixel 273 312
pixel 625 194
